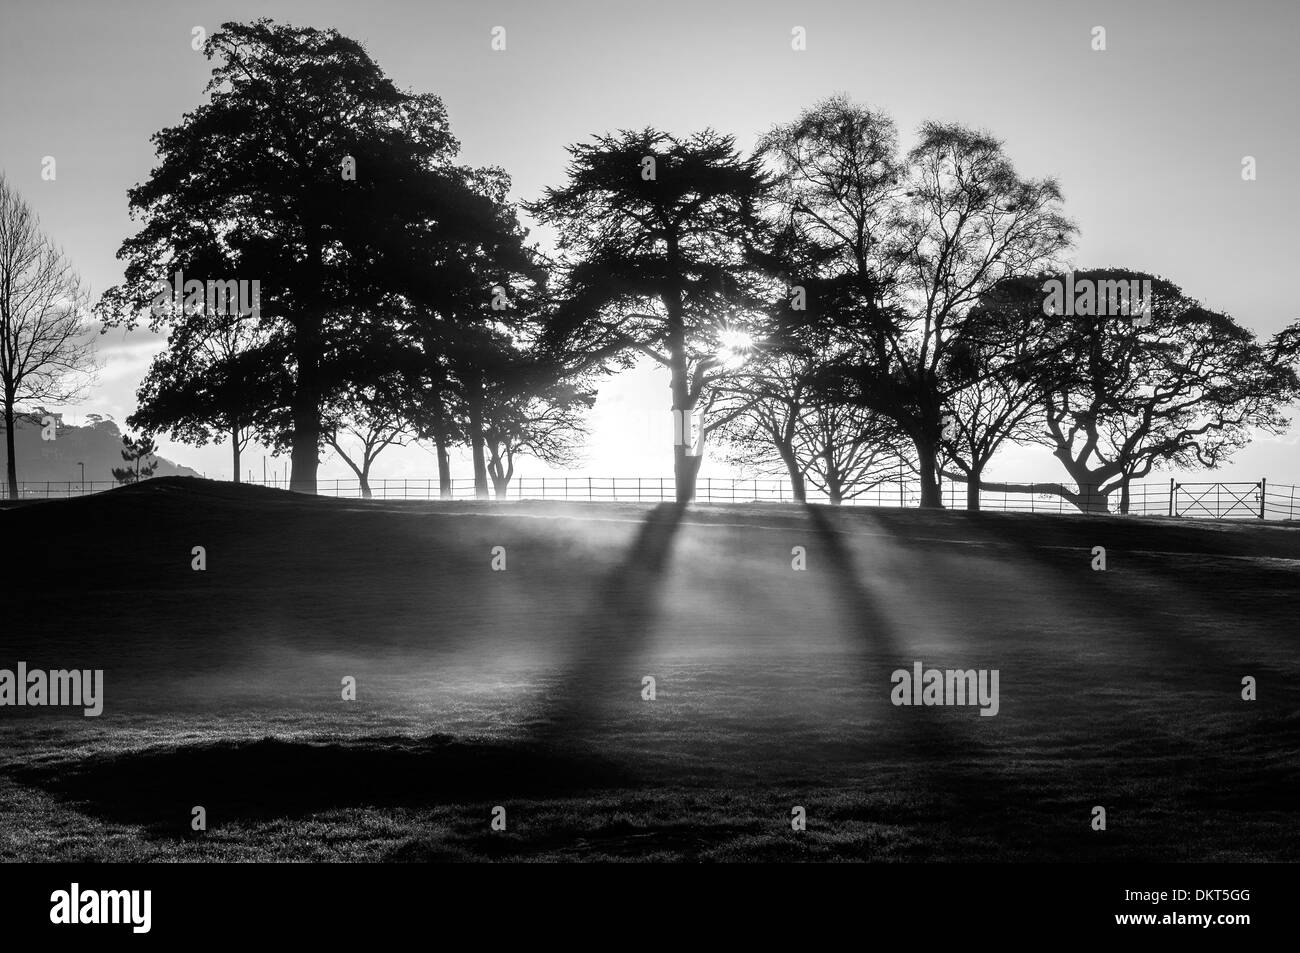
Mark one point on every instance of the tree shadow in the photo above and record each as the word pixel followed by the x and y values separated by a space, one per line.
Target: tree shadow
pixel 929 735
pixel 613 632
pixel 1134 638
pixel 1155 595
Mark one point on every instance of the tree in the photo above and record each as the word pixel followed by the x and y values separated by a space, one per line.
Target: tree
pixel 310 171
pixel 778 422
pixel 46 345
pixel 1182 386
pixel 850 449
pixel 135 451
pixel 221 377
pixel 534 409
pixel 466 304
pixel 656 231
pixel 1008 358
pixel 435 409
pixel 370 415
pixel 892 253
pixel 764 407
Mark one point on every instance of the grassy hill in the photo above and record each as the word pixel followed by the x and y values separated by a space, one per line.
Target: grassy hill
pixel 523 688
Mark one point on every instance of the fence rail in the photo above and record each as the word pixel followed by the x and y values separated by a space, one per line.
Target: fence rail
pixel 1260 500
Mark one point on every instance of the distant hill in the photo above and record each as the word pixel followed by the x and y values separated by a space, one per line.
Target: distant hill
pixel 97 444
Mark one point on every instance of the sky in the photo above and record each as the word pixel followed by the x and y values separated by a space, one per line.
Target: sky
pixel 1146 137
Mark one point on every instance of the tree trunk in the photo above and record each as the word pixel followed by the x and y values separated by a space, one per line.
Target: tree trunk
pixel 1090 499
pixel 685 472
pixel 497 470
pixel 234 449
pixel 366 493
pixel 931 496
pixel 444 464
pixel 475 402
pixel 685 468
pixel 12 464
pixel 305 410
pixel 798 488
pixel 973 489
pixel 1124 496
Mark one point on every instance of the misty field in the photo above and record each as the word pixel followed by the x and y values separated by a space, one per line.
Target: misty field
pixel 523 688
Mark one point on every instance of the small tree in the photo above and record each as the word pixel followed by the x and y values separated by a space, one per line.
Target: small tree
pixel 45 342
pixel 220 377
pixel 136 452
pixel 533 409
pixel 997 376
pixel 775 421
pixel 368 416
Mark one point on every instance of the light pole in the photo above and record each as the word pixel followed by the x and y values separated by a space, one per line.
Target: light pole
pixel 83 475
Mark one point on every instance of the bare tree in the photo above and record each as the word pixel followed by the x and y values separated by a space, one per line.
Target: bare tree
pixel 850 449
pixel 46 345
pixel 533 408
pixel 367 417
pixel 772 419
pixel 549 429
pixel 893 251
pixel 761 415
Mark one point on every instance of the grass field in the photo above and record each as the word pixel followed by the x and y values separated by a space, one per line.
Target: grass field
pixel 523 688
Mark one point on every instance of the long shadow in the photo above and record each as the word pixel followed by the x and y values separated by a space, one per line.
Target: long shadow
pixel 1028 781
pixel 1158 641
pixel 611 634
pixel 252 781
pixel 925 736
pixel 1174 610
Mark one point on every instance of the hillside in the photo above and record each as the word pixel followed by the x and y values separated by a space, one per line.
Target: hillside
pixel 97 444
pixel 479 687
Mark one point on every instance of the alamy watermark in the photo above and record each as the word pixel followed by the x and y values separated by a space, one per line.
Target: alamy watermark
pixel 220 296
pixel 1108 298
pixel 932 686
pixel 75 906
pixel 77 688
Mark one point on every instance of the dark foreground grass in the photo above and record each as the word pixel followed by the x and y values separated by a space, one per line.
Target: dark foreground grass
pixel 523 688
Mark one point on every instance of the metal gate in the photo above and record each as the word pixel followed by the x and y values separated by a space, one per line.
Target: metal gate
pixel 1217 500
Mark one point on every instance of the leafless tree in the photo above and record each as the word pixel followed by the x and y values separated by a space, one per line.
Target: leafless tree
pixel 376 429
pixel 46 344
pixel 773 420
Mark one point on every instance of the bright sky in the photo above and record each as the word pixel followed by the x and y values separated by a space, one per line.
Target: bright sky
pixel 1146 138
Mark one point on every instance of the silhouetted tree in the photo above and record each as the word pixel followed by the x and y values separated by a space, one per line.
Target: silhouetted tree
pixel 535 409
pixel 1183 387
pixel 892 252
pixel 996 376
pixel 370 415
pixel 778 422
pixel 46 346
pixel 220 377
pixel 136 451
pixel 467 303
pixel 311 172
pixel 656 232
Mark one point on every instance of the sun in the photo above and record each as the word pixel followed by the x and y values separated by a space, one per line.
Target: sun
pixel 734 347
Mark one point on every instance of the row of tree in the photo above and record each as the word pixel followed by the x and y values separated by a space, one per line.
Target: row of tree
pixel 829 305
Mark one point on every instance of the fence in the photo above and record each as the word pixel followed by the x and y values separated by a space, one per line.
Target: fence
pixel 1259 500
